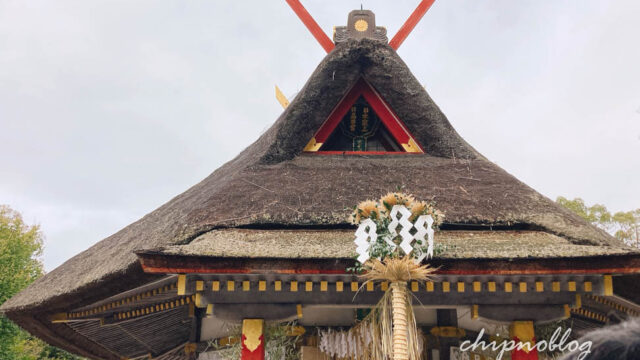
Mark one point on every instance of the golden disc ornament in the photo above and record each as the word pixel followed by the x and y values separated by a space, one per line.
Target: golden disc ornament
pixel 361 25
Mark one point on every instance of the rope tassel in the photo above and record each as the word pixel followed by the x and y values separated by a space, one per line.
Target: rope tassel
pixel 400 331
pixel 398 334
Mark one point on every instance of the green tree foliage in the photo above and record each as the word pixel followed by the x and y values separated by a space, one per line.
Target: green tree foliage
pixel 624 225
pixel 20 265
pixel 629 226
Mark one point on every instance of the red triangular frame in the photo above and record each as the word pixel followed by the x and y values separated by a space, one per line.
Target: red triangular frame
pixel 396 128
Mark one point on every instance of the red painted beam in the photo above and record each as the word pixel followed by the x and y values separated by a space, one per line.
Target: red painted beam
pixel 150 269
pixel 411 22
pixel 604 270
pixel 170 264
pixel 516 271
pixel 334 152
pixel 312 25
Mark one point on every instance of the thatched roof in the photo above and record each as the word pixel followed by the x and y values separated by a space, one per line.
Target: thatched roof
pixel 338 244
pixel 272 184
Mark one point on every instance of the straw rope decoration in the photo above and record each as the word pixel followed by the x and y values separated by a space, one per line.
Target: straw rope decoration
pixel 388 255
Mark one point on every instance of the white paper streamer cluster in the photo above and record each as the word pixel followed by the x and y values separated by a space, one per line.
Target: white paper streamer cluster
pixel 344 344
pixel 340 344
pixel 366 234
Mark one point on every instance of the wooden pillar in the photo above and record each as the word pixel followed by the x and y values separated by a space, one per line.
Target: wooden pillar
pixel 523 331
pixel 447 317
pixel 190 348
pixel 252 339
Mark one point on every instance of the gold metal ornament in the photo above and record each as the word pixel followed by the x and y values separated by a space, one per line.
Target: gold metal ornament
pixel 252 329
pixel 361 25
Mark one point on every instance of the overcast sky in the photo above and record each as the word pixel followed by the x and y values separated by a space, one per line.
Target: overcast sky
pixel 110 108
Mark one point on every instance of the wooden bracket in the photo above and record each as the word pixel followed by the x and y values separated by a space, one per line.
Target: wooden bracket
pixel 59 318
pixel 190 348
pixel 182 284
pixel 448 331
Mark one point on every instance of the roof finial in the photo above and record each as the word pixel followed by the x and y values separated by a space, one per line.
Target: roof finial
pixel 360 24
pixel 361 6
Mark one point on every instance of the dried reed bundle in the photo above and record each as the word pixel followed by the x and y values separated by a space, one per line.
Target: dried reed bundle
pixel 398 334
pixel 373 337
pixel 376 331
pixel 380 210
pixel 396 270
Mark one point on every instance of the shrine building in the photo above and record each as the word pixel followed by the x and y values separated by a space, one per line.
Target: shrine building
pixel 266 237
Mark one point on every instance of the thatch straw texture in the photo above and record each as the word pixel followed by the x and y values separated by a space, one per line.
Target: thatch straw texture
pixel 396 270
pixel 338 244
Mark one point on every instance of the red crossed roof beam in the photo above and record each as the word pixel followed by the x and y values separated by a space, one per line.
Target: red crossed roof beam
pixel 312 25
pixel 328 45
pixel 411 23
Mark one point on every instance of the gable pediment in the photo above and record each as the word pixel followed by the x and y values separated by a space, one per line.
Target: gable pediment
pixel 363 122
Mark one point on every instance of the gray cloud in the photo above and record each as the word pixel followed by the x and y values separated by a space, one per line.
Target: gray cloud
pixel 110 108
